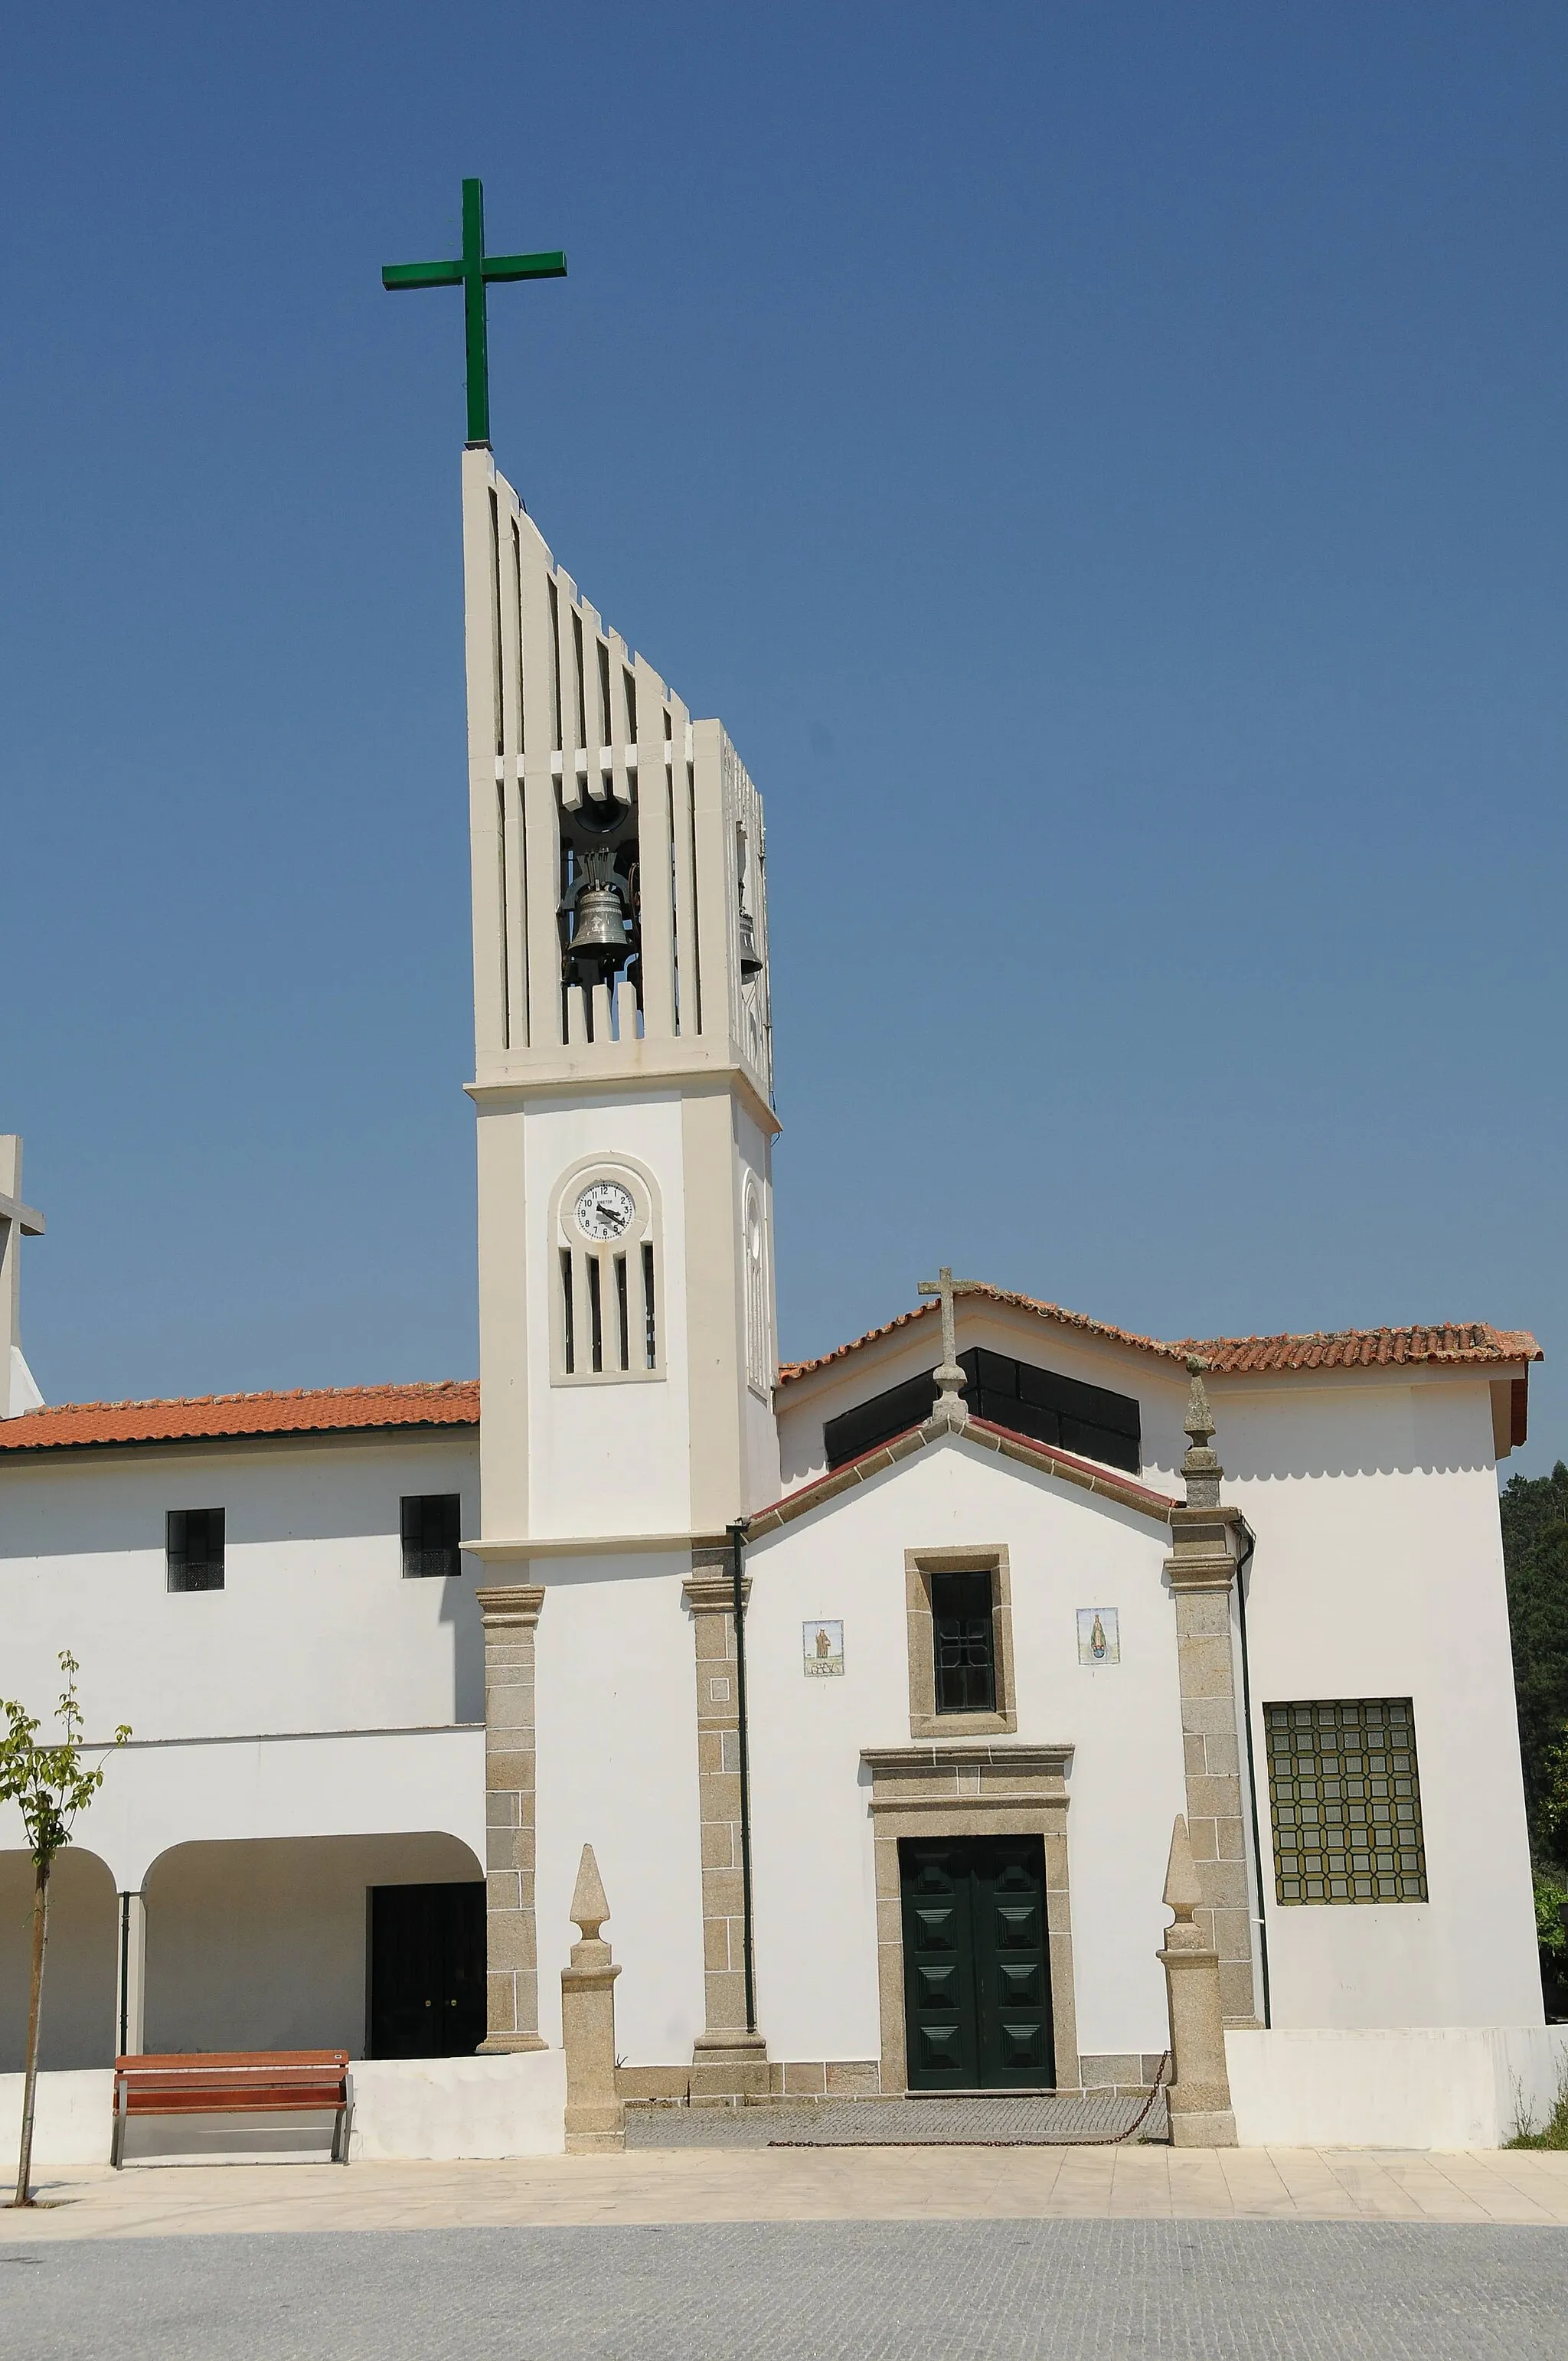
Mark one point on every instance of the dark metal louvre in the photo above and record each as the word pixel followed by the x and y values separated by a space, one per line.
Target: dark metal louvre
pixel 1015 1394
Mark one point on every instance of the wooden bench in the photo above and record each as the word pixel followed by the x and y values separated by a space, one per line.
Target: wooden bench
pixel 236 2082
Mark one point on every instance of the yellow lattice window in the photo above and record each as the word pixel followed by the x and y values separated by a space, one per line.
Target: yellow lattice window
pixel 1345 1801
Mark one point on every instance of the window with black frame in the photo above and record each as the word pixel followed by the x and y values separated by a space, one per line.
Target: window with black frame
pixel 964 1618
pixel 432 1523
pixel 194 1548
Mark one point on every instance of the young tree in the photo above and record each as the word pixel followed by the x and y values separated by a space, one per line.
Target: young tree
pixel 49 1784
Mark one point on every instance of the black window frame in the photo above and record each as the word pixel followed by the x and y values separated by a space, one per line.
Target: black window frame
pixel 963 1656
pixel 194 1549
pixel 430 1524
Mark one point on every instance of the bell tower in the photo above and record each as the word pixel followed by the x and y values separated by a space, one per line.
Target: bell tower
pixel 623 1072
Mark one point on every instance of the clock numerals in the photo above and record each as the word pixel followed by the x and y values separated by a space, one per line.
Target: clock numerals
pixel 605 1212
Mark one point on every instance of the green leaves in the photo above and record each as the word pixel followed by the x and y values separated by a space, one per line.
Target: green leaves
pixel 49 1784
pixel 1535 1551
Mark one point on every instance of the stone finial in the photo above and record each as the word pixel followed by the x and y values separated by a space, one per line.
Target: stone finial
pixel 596 2117
pixel 1198 2097
pixel 590 1906
pixel 1200 1467
pixel 1182 1890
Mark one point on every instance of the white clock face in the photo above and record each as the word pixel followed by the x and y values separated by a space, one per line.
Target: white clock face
pixel 604 1211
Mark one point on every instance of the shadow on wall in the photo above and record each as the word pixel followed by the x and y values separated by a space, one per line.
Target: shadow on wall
pixel 1378 1429
pixel 262 1944
pixel 78 2027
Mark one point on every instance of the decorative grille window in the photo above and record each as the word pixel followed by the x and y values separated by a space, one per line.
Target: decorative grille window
pixel 432 1523
pixel 964 1621
pixel 193 1548
pixel 1345 1801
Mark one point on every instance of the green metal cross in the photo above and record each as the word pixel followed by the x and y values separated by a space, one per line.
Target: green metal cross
pixel 472 274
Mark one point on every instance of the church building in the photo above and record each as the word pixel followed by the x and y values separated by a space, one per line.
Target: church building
pixel 875 1680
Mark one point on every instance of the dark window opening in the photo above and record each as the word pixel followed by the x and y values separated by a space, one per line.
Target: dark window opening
pixel 621 1312
pixel 1015 1394
pixel 964 1637
pixel 568 1336
pixel 432 1522
pixel 650 1336
pixel 596 1314
pixel 194 1549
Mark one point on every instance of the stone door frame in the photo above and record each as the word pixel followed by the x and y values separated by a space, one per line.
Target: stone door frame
pixel 959 1787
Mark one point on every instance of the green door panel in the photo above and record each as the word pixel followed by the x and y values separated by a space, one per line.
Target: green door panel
pixel 976 1967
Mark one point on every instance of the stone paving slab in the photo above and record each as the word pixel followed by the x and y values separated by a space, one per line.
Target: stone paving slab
pixel 1040 2122
pixel 828 2184
pixel 935 2291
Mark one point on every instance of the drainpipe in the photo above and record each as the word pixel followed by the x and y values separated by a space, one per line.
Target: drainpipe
pixel 738 1569
pixel 1242 1565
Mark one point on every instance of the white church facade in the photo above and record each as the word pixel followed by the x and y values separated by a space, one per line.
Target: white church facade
pixel 1015 1590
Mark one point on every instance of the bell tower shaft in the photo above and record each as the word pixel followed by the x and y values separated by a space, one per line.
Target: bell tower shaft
pixel 623 1069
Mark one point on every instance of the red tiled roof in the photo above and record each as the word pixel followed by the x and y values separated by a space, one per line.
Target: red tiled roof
pixel 1465 1341
pixel 1365 1349
pixel 325 1410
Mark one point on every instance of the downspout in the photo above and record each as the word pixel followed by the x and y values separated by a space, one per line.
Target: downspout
pixel 737 1570
pixel 1242 1565
pixel 125 1974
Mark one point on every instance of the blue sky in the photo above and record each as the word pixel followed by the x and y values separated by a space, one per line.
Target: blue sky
pixel 1106 466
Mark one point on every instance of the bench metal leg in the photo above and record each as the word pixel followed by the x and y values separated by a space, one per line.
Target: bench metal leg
pixel 341 2130
pixel 117 2140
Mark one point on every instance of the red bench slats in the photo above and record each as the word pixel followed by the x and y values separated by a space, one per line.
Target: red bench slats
pixel 233 2082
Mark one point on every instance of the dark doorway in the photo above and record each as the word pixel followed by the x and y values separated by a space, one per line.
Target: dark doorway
pixel 977 1987
pixel 427 1971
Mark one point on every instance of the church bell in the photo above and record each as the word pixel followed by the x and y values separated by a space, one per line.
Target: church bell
pixel 750 957
pixel 598 930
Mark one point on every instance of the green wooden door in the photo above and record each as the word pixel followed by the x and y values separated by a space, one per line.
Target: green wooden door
pixel 976 1974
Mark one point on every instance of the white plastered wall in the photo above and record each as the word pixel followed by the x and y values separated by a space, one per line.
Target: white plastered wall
pixel 617 1768
pixel 1378 1573
pixel 815 1916
pixel 318 1696
pixel 315 1628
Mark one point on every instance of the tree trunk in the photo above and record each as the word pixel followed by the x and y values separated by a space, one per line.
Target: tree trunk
pixel 35 2009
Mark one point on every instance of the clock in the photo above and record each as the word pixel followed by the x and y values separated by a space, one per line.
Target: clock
pixel 604 1211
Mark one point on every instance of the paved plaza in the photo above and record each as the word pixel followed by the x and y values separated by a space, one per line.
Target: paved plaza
pixel 936 2290
pixel 743 2253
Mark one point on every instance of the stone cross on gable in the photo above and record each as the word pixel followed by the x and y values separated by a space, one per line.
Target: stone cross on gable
pixel 16 1222
pixel 950 1376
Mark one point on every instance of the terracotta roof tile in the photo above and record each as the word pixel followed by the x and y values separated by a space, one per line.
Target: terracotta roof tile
pixel 1469 1341
pixel 325 1410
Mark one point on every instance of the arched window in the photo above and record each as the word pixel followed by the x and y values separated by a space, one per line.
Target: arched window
pixel 608 1282
pixel 754 1251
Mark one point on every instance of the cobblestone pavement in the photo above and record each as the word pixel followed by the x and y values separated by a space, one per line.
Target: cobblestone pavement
pixel 801 2291
pixel 900 2123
